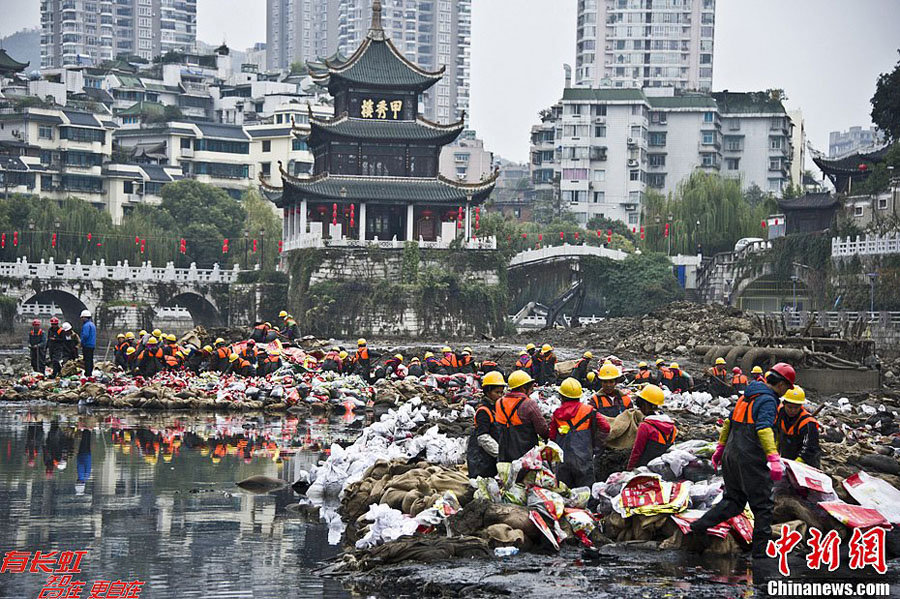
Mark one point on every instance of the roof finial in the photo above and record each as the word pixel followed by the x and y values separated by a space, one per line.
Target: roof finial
pixel 376 31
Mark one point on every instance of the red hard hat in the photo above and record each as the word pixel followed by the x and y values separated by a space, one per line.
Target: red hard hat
pixel 251 342
pixel 736 370
pixel 54 320
pixel 35 323
pixel 785 371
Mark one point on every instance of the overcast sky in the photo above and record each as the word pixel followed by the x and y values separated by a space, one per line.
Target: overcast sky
pixel 825 54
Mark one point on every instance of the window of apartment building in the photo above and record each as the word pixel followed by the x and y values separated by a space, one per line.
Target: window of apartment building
pixel 634 175
pixel 267 145
pixel 574 108
pixel 734 144
pixel 636 132
pixel 882 203
pixel 575 174
pixel 128 186
pixel 708 117
pixel 656 159
pixel 600 131
pixel 732 164
pixel 658 118
pixel 657 138
pixel 656 180
pixel 775 185
pixel 634 197
pixel 265 168
pixel 708 159
pixel 709 137
pixel 633 218
pixel 774 164
pixel 45 132
pixel 573 196
pixel 576 131
pixel 185 143
pixel 775 143
pixel 857 211
pixel 599 176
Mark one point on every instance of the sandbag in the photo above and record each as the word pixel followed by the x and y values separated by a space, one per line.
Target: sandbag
pixel 503 535
pixel 623 430
pixel 393 497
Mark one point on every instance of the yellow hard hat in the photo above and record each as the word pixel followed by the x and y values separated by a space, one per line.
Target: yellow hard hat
pixel 588 355
pixel 399 357
pixel 546 348
pixel 179 353
pixel 446 349
pixel 129 335
pixel 120 336
pixel 428 354
pixel 342 355
pixel 142 332
pixel 232 357
pixel 796 395
pixel 336 348
pixel 653 394
pixel 282 314
pixel 642 365
pixel 659 361
pixel 519 378
pixel 208 348
pixel 524 352
pixel 414 359
pixel 756 370
pixel 571 388
pixel 157 333
pixel 130 351
pixel 674 365
pixel 267 325
pixel 609 371
pixel 171 337
pixel 720 360
pixel 529 347
pixel 493 379
pixel 467 350
pixel 277 352
pixel 591 376
pixel 220 341
pixel 361 341
pixel 151 341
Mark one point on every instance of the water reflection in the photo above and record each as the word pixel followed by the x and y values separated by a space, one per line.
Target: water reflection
pixel 152 497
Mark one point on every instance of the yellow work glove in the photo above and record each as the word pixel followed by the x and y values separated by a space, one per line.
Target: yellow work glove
pixel 767 440
pixel 723 432
pixel 799 460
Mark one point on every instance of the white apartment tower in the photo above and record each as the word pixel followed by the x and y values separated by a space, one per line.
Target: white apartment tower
pixel 430 33
pixel 90 31
pixel 645 43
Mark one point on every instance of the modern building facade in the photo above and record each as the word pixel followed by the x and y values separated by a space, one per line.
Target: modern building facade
pixel 645 43
pixel 601 150
pixel 434 34
pixel 853 139
pixel 91 31
pixel 466 159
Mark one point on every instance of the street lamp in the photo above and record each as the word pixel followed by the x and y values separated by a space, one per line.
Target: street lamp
pixel 872 276
pixel 262 248
pixel 794 279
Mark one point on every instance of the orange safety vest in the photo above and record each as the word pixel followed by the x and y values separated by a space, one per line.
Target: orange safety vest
pixel 524 363
pixel 223 352
pixel 172 361
pixel 719 372
pixel 803 419
pixel 449 361
pixel 607 405
pixel 643 375
pixel 668 374
pixel 482 409
pixel 743 410
pixel 739 379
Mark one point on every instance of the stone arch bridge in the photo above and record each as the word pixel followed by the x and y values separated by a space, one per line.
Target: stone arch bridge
pixel 120 295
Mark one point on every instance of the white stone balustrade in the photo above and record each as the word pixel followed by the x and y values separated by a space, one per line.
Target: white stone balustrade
pixel 561 252
pixel 313 240
pixel 22 269
pixel 871 245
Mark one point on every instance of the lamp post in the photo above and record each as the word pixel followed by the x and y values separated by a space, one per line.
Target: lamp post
pixel 262 249
pixel 58 240
pixel 31 237
pixel 794 280
pixel 872 276
pixel 669 237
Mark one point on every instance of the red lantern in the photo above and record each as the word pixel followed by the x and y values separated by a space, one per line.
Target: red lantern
pixel 541 237
pixel 477 210
pixel 99 244
pixel 763 223
pixel 576 236
pixel 609 236
pixel 15 239
pixel 53 240
pixel 322 210
pixel 182 246
pixel 427 213
pixel 225 246
pixel 143 245
pixel 89 236
pixel 599 233
pixel 137 240
pixel 776 222
pixel 642 232
pixel 666 233
pixel 334 214
pixel 352 215
pixel 280 246
pixel 459 218
pixel 3 241
pixel 562 236
pixel 863 166
pixel 633 230
pixel 524 235
pixel 254 246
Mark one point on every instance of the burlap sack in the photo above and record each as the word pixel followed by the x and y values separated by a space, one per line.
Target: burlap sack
pixel 623 430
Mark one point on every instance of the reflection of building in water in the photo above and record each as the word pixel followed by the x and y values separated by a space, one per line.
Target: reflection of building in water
pixel 180 525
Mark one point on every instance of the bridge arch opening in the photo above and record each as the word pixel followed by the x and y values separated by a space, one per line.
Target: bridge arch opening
pixel 201 312
pixel 68 307
pixel 770 294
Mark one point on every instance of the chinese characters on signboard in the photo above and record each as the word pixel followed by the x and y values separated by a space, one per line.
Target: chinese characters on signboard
pixel 381 109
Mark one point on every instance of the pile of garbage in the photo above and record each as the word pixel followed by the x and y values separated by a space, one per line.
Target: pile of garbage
pixel 675 328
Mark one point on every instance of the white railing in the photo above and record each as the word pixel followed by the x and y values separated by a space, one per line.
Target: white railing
pixel 538 322
pixel 835 320
pixel 22 269
pixel 173 312
pixel 37 309
pixel 311 240
pixel 564 251
pixel 873 245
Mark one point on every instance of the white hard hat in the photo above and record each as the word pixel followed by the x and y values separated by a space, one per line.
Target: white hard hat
pixel 66 326
pixel 85 313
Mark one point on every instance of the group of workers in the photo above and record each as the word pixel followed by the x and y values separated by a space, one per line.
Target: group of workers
pixel 61 343
pixel 768 423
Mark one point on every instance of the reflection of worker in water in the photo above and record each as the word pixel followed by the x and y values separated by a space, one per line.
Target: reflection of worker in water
pixel 83 461
pixel 57 447
pixel 34 437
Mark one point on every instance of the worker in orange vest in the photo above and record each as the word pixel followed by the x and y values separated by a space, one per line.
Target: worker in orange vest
pixel 643 375
pixel 518 418
pixel 738 380
pixel 610 401
pixel 449 363
pixel 578 430
pixel 483 448
pixel 796 430
pixel 656 433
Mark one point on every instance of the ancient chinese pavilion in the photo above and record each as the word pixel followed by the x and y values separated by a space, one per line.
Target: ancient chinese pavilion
pixel 376 175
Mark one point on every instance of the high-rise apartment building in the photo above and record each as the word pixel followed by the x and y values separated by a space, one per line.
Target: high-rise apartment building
pixel 90 31
pixel 645 43
pixel 429 33
pixel 853 139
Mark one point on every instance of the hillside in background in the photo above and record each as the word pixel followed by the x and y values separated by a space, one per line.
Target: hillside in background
pixel 24 46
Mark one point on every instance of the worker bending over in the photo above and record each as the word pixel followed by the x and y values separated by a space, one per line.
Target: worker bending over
pixel 518 418
pixel 481 454
pixel 656 433
pixel 580 432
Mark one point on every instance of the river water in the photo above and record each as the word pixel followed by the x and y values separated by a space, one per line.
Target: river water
pixel 152 498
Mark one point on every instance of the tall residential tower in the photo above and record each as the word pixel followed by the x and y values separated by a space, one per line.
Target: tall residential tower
pixel 90 31
pixel 645 43
pixel 430 33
